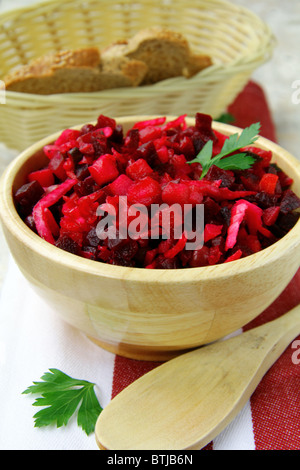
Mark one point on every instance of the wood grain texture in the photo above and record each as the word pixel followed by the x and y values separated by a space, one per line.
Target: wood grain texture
pixel 149 314
pixel 186 402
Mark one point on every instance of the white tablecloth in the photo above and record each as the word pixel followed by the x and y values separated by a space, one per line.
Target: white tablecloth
pixel 32 340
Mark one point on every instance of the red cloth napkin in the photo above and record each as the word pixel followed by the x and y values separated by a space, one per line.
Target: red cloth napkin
pixel 275 405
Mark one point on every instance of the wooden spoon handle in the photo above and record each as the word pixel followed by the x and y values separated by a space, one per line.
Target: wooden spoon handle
pixel 186 402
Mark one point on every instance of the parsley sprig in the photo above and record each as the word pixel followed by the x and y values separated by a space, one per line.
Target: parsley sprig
pixel 61 396
pixel 238 161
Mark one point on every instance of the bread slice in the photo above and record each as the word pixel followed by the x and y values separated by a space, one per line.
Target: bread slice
pixel 166 53
pixel 78 71
pixel 152 55
pixel 115 61
pixel 196 63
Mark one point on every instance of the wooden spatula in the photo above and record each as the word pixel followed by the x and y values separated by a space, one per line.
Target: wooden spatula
pixel 185 403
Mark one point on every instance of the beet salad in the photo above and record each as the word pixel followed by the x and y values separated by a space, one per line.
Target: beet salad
pixel 95 173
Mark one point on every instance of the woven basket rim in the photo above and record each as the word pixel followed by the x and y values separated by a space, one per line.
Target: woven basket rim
pixel 246 62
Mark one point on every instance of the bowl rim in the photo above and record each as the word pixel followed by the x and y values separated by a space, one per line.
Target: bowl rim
pixel 13 222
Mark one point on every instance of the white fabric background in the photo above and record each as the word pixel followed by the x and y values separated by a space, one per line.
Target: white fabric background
pixel 32 340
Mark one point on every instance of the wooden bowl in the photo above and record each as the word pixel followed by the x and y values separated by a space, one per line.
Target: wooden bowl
pixel 142 313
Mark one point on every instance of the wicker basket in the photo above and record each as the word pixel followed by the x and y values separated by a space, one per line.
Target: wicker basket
pixel 236 39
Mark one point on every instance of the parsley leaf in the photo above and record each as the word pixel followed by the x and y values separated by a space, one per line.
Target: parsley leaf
pixel 227 118
pixel 61 396
pixel 239 161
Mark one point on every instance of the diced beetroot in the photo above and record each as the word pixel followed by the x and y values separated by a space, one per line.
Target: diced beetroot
pixel 98 166
pixel 212 231
pixel 69 168
pixel 56 166
pixel 226 176
pixel 51 150
pixel 119 186
pixel 30 223
pixel 104 170
pixel 67 135
pixel 254 220
pixel 200 257
pixel 82 172
pixel 176 193
pixel 92 239
pixel 146 191
pixel 219 241
pixel 178 122
pixel 149 123
pixel 196 196
pixel 165 245
pixel 163 153
pixel 105 121
pixel 67 244
pixel 164 180
pixel 265 156
pixel 75 154
pixel 234 256
pixel 88 253
pixel 220 194
pixel 176 249
pixel 150 255
pixel 149 133
pixel 187 147
pixel 287 221
pixel 44 177
pixel 219 142
pixel 128 251
pixel 139 169
pixel 65 148
pixel 87 207
pixel 268 183
pixel 56 194
pixel 290 202
pixel 132 139
pixel 180 167
pixel 87 186
pixel 203 123
pixel 165 263
pixel 111 206
pixel 147 151
pixel 51 222
pixel 270 215
pixel 86 148
pixel 284 179
pixel 211 208
pixel 213 190
pixel 172 214
pixel 253 243
pixel 40 220
pixel 103 253
pixel 250 181
pixel 214 255
pixel 27 196
pixel 253 217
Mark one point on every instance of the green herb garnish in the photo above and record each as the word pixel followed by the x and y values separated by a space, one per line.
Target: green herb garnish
pixel 238 161
pixel 61 396
pixel 226 118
